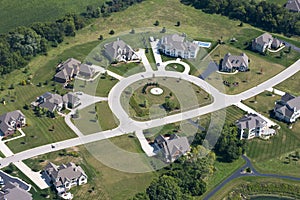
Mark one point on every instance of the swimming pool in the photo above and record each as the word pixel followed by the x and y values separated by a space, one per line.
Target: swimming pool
pixel 203 44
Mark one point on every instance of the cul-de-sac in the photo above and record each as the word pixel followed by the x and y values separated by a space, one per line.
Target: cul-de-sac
pixel 150 99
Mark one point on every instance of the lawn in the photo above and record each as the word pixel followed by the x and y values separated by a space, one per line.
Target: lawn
pixel 106 118
pixel 102 180
pixel 291 85
pixel 38 11
pixel 175 67
pixel 127 69
pixel 260 71
pixel 151 59
pixel 263 153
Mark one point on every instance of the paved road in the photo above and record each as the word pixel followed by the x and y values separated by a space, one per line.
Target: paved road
pixel 291 45
pixel 239 173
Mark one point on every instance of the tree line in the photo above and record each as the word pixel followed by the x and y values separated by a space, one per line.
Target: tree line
pixel 18 47
pixel 268 16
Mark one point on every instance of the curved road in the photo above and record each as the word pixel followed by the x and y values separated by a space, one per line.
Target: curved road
pixel 239 173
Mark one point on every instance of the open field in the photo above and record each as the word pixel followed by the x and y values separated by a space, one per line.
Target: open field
pixel 265 153
pixel 127 69
pixel 291 85
pixel 106 118
pixel 102 180
pixel 38 11
pixel 260 71
pixel 175 67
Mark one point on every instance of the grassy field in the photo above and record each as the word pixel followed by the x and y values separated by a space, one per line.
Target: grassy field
pixel 291 85
pixel 38 11
pixel 127 69
pixel 260 70
pixel 175 67
pixel 266 155
pixel 106 118
pixel 102 180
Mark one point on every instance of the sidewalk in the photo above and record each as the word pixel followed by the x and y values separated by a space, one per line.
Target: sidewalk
pixel 277 92
pixel 144 143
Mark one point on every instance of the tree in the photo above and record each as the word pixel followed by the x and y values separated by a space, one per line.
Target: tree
pixel 163 30
pixel 111 32
pixel 156 23
pixel 132 31
pixel 165 187
pixel 100 37
pixel 178 23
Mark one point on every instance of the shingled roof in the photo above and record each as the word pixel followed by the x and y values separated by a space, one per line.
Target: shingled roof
pixel 293 5
pixel 7 118
pixel 250 121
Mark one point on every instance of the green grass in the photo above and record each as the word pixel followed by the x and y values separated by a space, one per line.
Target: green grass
pixel 105 85
pixel 106 118
pixel 151 59
pixel 38 11
pixel 175 67
pixel 291 85
pixel 127 69
pixel 260 70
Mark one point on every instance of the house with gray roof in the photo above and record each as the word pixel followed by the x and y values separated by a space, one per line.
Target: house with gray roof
pixel 172 147
pixel 293 5
pixel 11 121
pixel 178 46
pixel 86 71
pixel 50 102
pixel 65 176
pixel 119 51
pixel 287 109
pixel 264 42
pixel 231 63
pixel 71 100
pixel 252 125
pixel 12 191
pixel 67 70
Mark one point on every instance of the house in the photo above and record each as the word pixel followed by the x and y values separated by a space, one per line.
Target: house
pixel 177 46
pixel 231 63
pixel 251 126
pixel 287 108
pixel 50 102
pixel 173 147
pixel 86 71
pixel 293 5
pixel 65 176
pixel 67 70
pixel 119 51
pixel 11 121
pixel 12 191
pixel 264 42
pixel 71 100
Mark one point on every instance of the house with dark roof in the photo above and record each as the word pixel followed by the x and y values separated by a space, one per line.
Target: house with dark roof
pixel 11 121
pixel 65 176
pixel 71 100
pixel 67 70
pixel 12 191
pixel 119 51
pixel 251 126
pixel 86 71
pixel 231 63
pixel 178 46
pixel 171 147
pixel 287 109
pixel 293 5
pixel 50 102
pixel 264 42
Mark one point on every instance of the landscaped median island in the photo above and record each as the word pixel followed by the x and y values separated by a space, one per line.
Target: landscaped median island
pixel 143 105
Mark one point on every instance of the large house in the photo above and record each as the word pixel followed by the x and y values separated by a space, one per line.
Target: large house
pixel 71 100
pixel 264 42
pixel 12 191
pixel 50 102
pixel 177 46
pixel 86 71
pixel 288 108
pixel 66 176
pixel 251 125
pixel 293 5
pixel 67 70
pixel 11 121
pixel 172 147
pixel 231 63
pixel 119 51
